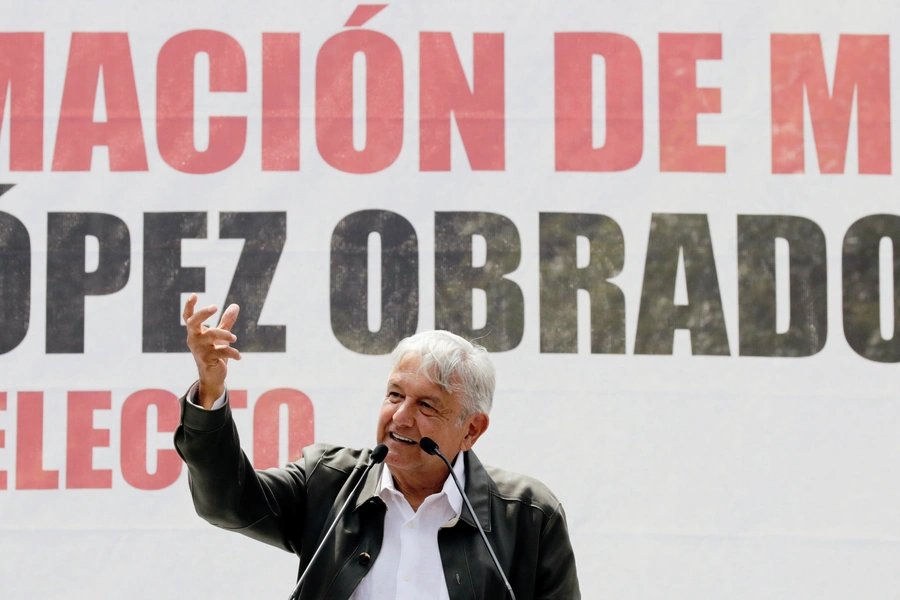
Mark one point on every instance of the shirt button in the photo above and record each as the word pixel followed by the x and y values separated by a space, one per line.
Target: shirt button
pixel 406 578
pixel 411 525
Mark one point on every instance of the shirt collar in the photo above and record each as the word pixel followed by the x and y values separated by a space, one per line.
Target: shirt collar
pixel 386 485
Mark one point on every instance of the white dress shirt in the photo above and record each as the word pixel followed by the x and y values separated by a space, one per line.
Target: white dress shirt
pixel 408 567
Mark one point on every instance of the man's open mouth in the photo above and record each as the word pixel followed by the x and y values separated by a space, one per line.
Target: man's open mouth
pixel 400 438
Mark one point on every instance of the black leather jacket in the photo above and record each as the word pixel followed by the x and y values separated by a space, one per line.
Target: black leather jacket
pixel 292 507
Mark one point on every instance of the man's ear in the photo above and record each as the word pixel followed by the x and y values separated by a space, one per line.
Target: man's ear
pixel 477 425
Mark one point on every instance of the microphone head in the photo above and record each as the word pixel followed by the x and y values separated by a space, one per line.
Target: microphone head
pixel 429 445
pixel 379 453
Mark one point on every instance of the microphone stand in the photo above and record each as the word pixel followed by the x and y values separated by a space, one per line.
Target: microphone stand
pixel 431 447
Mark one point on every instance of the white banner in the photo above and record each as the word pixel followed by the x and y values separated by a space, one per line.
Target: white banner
pixel 675 226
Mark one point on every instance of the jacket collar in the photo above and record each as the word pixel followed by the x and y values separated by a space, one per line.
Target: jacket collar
pixel 479 487
pixel 370 487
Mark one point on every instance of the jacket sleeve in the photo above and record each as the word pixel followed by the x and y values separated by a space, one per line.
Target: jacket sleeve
pixel 557 578
pixel 227 491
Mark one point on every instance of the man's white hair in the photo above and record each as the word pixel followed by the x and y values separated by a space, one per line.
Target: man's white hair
pixel 453 363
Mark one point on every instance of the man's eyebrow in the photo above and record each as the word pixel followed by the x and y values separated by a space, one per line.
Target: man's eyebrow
pixel 395 383
pixel 429 398
pixel 439 403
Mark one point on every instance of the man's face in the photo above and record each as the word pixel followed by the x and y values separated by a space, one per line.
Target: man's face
pixel 415 408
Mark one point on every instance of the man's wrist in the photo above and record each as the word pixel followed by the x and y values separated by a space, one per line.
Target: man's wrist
pixel 195 397
pixel 208 395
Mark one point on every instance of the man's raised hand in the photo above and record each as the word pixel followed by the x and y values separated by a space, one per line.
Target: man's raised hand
pixel 211 347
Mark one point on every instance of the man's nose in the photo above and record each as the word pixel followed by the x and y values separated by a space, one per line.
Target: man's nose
pixel 404 414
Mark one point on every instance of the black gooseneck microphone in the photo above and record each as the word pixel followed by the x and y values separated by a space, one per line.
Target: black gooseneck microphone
pixel 378 454
pixel 431 447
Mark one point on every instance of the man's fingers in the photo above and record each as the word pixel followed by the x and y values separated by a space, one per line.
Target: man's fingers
pixel 195 322
pixel 227 352
pixel 189 307
pixel 229 317
pixel 220 335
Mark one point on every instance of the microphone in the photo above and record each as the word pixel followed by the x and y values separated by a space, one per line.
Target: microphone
pixel 431 447
pixel 378 454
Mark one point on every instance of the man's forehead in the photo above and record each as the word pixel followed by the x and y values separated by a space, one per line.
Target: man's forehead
pixel 412 377
pixel 407 374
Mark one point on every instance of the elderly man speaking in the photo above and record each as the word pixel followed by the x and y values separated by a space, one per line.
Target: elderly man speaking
pixel 404 530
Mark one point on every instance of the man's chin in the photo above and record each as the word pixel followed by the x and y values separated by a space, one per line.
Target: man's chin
pixel 397 463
